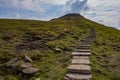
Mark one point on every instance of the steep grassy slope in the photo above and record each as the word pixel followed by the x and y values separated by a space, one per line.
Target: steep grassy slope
pixel 49 45
pixel 106 53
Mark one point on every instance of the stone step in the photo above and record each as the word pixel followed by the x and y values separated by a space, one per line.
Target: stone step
pixel 81 53
pixel 82 47
pixel 85 69
pixel 82 50
pixel 71 76
pixel 84 44
pixel 81 61
pixel 80 57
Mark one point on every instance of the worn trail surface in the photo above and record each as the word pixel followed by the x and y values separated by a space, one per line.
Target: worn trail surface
pixel 80 69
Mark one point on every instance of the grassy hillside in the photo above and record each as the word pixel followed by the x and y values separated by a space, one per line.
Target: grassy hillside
pixel 40 41
pixel 49 45
pixel 106 53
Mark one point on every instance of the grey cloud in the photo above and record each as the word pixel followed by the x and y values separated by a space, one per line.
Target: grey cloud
pixel 109 9
pixel 77 6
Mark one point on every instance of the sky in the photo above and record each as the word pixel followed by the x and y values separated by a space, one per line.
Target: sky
pixel 106 12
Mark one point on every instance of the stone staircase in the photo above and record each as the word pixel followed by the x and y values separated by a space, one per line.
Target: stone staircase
pixel 80 69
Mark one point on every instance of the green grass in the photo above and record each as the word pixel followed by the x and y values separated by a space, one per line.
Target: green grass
pixel 42 39
pixel 105 53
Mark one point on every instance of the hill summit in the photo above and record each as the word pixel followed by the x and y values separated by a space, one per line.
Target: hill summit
pixel 72 14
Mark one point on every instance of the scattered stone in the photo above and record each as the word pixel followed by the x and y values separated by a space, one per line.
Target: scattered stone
pixel 28 59
pixel 57 49
pixel 38 79
pixel 30 70
pixel 13 63
pixel 26 65
pixel 21 65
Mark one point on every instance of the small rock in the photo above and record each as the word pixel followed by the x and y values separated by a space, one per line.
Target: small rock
pixel 58 49
pixel 12 63
pixel 26 65
pixel 38 79
pixel 28 59
pixel 30 70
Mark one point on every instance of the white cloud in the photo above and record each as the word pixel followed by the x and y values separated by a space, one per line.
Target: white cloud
pixel 40 18
pixel 76 6
pixel 17 16
pixel 55 2
pixel 106 11
pixel 32 5
pixel 14 15
pixel 103 11
pixel 40 9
